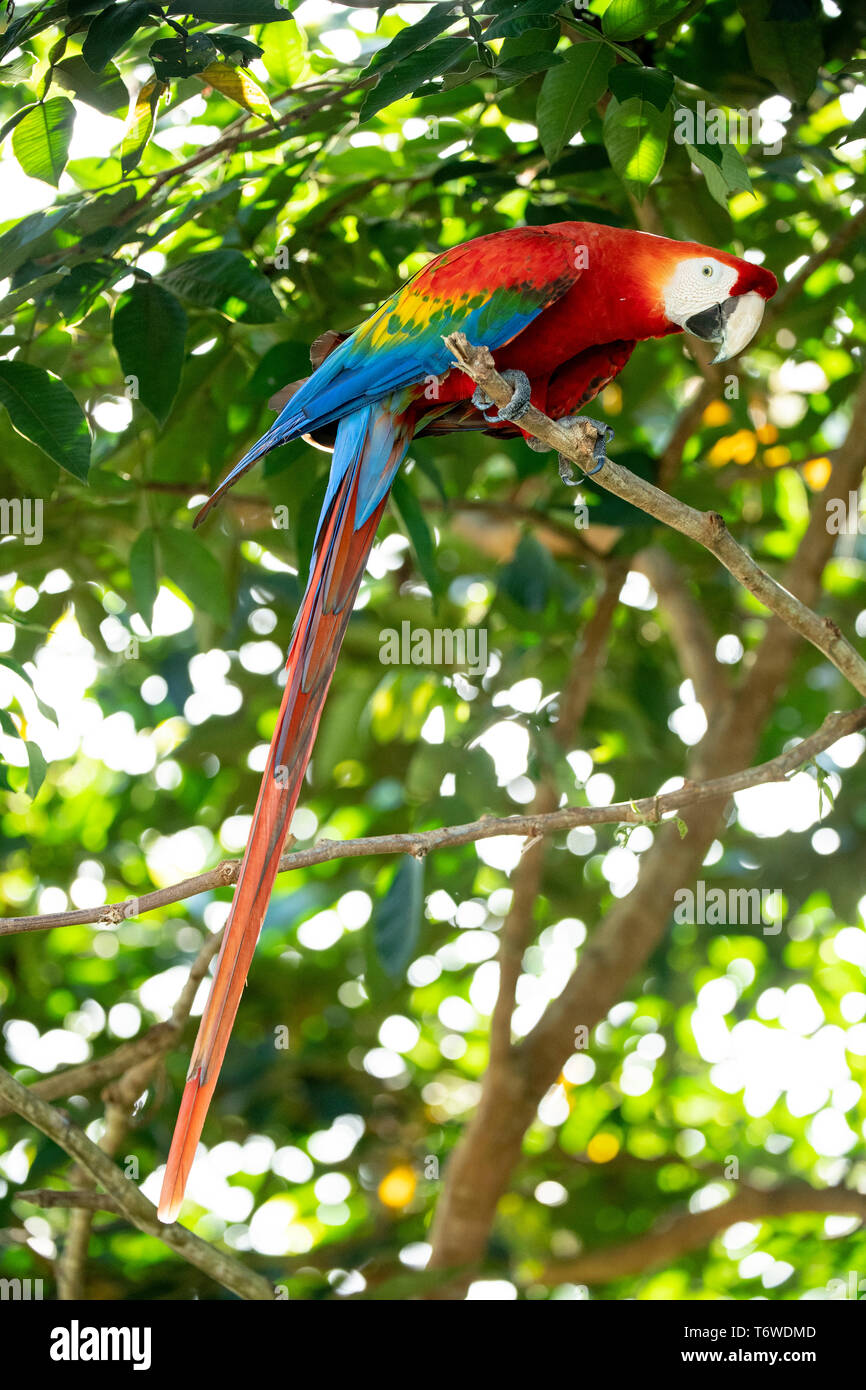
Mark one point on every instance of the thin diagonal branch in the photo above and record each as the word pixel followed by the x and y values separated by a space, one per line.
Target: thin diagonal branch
pixel 640 811
pixel 707 528
pixel 133 1205
pixel 83 1198
pixel 692 1230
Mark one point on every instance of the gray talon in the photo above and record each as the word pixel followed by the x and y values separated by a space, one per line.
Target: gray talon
pixel 604 433
pixel 566 474
pixel 519 403
pixel 516 407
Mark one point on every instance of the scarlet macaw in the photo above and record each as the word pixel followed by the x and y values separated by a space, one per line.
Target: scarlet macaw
pixel 561 308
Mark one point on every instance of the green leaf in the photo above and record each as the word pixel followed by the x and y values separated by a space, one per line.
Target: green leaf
pixel 104 91
pixel 628 19
pixel 429 469
pixel 236 48
pixel 111 30
pixel 569 93
pixel 271 197
pixel 238 86
pixel 396 921
pixel 735 170
pixel 723 168
pixel 12 665
pixel 532 14
pixel 785 47
pixel 516 69
pixel 77 293
pixel 651 84
pixel 636 136
pixel 535 41
pixel 855 131
pixel 103 210
pixel 284 51
pixel 231 11
pixel 148 329
pixel 529 575
pixel 45 411
pixel 225 280
pixel 413 38
pixel 143 573
pixel 419 533
pixel 182 57
pixel 11 303
pixel 17 70
pixel 708 159
pixel 41 139
pixel 188 562
pixel 283 363
pixel 413 71
pixel 30 237
pixel 36 769
pixel 15 119
pixel 140 125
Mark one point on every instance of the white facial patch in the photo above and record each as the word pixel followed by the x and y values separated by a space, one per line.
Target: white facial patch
pixel 697 284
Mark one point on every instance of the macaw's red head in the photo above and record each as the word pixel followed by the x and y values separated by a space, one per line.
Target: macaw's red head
pixel 715 296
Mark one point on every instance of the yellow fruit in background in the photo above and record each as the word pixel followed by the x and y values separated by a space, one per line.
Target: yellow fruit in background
pixel 398 1188
pixel 716 413
pixel 602 1148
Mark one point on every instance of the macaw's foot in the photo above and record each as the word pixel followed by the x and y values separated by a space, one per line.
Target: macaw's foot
pixel 603 433
pixel 517 406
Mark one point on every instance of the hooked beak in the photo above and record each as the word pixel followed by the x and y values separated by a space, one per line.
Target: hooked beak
pixel 732 325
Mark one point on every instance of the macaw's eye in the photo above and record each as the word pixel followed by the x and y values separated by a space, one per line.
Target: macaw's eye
pixel 707 270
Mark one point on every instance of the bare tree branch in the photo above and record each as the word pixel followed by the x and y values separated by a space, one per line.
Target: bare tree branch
pixel 120 1097
pixel 132 1203
pixel 640 811
pixel 692 1230
pixel 82 1197
pixel 707 528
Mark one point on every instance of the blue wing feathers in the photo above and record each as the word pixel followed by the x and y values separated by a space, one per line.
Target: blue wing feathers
pixel 401 344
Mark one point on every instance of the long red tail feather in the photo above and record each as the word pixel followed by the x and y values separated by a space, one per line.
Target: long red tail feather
pixel 322 620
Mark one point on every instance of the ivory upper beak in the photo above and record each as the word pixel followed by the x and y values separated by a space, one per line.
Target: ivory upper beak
pixel 741 324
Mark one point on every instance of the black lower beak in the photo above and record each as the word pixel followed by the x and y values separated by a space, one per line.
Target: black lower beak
pixel 710 323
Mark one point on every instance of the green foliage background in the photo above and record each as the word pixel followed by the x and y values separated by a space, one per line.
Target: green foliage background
pixel 295 190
